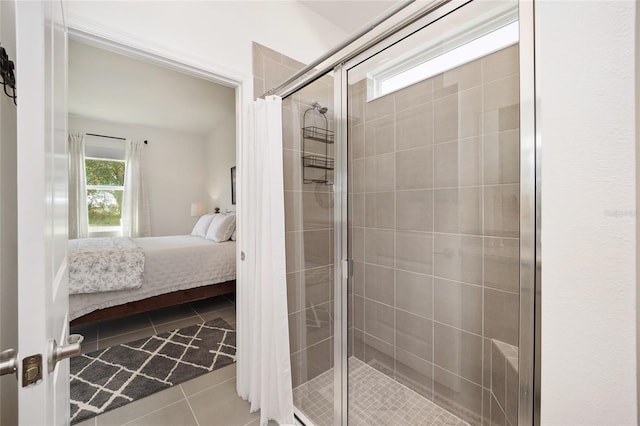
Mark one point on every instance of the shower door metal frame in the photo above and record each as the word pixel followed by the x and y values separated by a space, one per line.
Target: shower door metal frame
pixel 530 246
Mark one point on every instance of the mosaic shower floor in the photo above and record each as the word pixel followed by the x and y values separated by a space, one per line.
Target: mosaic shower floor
pixel 374 399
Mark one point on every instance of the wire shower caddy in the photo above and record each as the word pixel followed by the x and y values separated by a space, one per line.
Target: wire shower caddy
pixel 317 134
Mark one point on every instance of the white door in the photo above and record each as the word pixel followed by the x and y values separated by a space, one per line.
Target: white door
pixel 41 67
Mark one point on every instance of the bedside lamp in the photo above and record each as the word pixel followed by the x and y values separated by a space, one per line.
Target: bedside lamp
pixel 197 208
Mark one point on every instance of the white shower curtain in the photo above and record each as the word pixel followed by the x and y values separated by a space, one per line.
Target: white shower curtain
pixel 135 204
pixel 263 363
pixel 78 213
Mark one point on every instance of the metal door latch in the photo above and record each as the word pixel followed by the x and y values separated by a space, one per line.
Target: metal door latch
pixel 71 349
pixel 31 370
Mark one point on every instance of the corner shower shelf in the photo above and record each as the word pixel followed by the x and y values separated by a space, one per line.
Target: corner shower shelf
pixel 312 159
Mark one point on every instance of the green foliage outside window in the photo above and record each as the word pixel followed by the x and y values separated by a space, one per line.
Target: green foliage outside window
pixel 104 172
pixel 104 204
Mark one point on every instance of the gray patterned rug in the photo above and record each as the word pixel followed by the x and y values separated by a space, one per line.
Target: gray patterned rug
pixel 112 377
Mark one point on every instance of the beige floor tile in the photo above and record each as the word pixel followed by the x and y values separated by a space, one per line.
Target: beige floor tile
pixel 118 326
pixel 185 322
pixel 125 338
pixel 229 409
pixel 141 407
pixel 172 314
pixel 88 331
pixel 227 314
pixel 209 380
pixel 90 422
pixel 256 422
pixel 209 305
pixel 178 414
pixel 89 347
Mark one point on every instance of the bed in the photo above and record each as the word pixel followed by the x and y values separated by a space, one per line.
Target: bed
pixel 177 269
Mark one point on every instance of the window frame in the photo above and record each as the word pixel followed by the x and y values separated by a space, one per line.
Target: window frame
pixel 99 230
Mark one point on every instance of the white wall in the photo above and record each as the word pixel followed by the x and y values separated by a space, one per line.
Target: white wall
pixel 175 171
pixel 585 78
pixel 220 157
pixel 219 32
pixel 8 225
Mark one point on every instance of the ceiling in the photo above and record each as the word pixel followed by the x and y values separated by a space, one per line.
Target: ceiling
pixel 107 86
pixel 350 15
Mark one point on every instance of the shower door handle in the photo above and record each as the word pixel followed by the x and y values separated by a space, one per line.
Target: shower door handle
pixel 347 268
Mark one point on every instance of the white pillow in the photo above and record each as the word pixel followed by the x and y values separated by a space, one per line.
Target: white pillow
pixel 221 227
pixel 233 236
pixel 200 230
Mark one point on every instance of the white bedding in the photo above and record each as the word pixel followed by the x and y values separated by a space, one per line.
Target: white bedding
pixel 171 264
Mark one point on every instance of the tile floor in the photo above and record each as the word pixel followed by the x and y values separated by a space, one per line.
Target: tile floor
pixel 208 400
pixel 374 399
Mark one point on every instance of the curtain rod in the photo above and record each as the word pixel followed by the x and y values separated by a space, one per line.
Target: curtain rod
pixel 111 137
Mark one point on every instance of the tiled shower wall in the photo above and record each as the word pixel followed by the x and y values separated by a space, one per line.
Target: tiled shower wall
pixel 435 227
pixel 308 220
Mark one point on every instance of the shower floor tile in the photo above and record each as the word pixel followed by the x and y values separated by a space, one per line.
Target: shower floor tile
pixel 374 399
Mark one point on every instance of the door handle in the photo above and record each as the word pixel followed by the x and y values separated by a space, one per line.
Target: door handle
pixel 8 362
pixel 60 352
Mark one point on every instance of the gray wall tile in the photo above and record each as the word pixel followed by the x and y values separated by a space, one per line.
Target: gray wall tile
pixel 379 136
pixel 501 157
pixel 458 257
pixel 414 127
pixel 415 373
pixel 379 248
pixel 414 251
pixel 414 293
pixel 457 395
pixel 414 334
pixel 380 284
pixel 414 210
pixel 458 305
pixel 380 210
pixel 379 355
pixel 502 263
pixel 458 163
pixel 458 210
pixel 414 95
pixel 414 169
pixel 458 352
pixel 501 316
pixel 379 320
pixel 502 211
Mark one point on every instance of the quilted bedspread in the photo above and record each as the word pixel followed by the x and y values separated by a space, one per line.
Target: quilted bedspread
pixel 104 264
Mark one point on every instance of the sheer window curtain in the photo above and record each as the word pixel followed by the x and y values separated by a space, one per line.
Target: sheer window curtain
pixel 135 203
pixel 263 363
pixel 78 213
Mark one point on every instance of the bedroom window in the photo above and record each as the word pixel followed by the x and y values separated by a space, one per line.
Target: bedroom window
pixel 105 188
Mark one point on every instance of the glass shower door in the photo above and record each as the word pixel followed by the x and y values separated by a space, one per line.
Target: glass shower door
pixel 433 224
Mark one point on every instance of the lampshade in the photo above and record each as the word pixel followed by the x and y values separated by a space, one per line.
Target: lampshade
pixel 197 208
